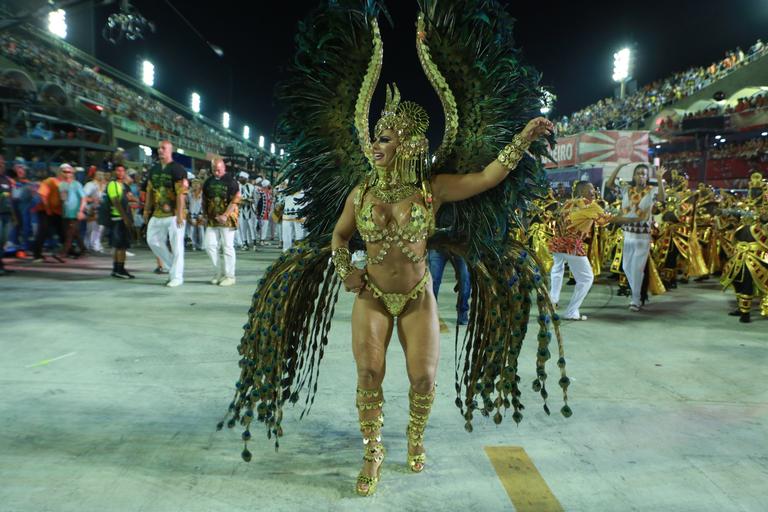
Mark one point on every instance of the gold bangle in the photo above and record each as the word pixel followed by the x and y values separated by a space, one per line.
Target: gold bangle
pixel 342 261
pixel 511 155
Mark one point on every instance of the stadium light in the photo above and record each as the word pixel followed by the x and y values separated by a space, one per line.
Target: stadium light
pixel 57 23
pixel 261 141
pixel 621 68
pixel 272 148
pixel 148 73
pixel 547 101
pixel 621 65
pixel 764 134
pixel 195 103
pixel 246 132
pixel 225 120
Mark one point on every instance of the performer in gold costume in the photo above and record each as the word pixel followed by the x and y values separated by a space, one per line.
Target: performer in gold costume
pixel 394 212
pixel 392 192
pixel 678 247
pixel 747 268
pixel 541 230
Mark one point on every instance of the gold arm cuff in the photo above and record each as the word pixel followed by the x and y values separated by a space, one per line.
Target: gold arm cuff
pixel 342 261
pixel 511 155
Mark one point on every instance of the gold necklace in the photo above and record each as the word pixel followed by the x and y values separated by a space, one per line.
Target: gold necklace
pixel 393 194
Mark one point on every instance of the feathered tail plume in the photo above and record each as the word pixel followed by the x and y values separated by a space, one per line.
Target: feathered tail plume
pixel 489 94
pixel 284 340
pixel 326 95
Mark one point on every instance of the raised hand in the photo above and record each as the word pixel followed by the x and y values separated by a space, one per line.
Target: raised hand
pixel 537 128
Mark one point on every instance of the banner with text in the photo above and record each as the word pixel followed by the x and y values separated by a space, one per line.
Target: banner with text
pixel 607 146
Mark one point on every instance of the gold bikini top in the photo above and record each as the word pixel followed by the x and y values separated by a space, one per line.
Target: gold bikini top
pixel 420 226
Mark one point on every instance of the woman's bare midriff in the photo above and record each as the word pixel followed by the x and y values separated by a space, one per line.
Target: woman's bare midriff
pixel 397 273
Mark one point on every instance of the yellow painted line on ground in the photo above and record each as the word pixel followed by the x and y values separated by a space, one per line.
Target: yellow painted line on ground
pixel 522 481
pixel 48 361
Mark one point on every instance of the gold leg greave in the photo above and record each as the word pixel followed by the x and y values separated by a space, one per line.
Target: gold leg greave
pixel 369 406
pixel 419 408
pixel 764 306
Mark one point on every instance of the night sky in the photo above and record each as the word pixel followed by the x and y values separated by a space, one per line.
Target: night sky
pixel 572 43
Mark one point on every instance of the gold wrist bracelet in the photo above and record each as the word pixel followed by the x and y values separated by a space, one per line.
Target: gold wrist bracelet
pixel 342 261
pixel 511 155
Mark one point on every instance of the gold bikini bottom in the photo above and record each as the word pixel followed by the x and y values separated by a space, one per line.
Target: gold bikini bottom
pixel 396 302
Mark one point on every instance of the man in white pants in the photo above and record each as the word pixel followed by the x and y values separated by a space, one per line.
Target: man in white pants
pixel 637 200
pixel 293 224
pixel 166 192
pixel 574 222
pixel 265 215
pixel 221 195
pixel 246 211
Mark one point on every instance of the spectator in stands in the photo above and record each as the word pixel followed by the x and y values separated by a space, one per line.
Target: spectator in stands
pixel 166 191
pixel 73 211
pixel 612 113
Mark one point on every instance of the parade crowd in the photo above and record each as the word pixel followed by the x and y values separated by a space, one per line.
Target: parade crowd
pixel 71 213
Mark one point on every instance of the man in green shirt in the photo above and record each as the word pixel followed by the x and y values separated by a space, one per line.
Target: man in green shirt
pixel 221 195
pixel 166 193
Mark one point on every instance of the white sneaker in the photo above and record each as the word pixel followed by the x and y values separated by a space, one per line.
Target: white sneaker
pixel 216 280
pixel 634 307
pixel 173 283
pixel 227 281
pixel 129 253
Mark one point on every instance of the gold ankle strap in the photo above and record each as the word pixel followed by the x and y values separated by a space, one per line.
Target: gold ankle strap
pixel 374 453
pixel 744 301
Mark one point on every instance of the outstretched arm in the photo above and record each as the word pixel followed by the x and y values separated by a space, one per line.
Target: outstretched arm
pixel 457 187
pixel 662 195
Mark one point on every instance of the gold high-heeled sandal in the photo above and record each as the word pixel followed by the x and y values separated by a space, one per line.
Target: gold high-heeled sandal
pixel 375 454
pixel 371 430
pixel 416 425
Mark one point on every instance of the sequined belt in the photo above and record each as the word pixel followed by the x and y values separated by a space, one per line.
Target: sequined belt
pixel 396 302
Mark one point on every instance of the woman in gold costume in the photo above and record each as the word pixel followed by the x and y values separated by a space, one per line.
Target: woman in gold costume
pixel 388 196
pixel 394 212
